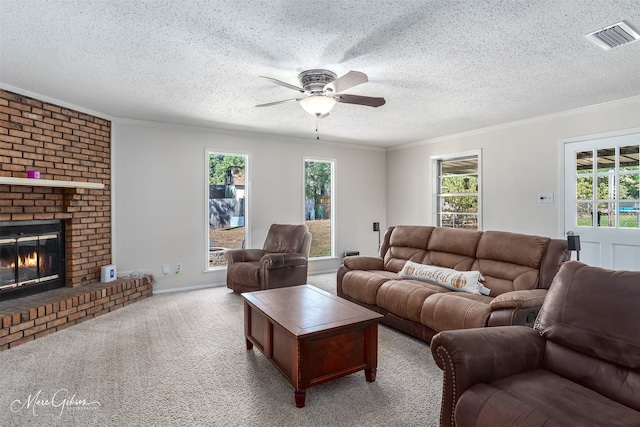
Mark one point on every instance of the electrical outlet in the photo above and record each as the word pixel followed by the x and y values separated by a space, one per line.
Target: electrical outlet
pixel 178 267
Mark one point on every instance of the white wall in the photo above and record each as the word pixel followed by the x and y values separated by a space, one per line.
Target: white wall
pixel 159 195
pixel 519 160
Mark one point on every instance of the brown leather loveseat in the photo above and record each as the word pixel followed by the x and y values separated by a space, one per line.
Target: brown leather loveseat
pixel 578 366
pixel 517 269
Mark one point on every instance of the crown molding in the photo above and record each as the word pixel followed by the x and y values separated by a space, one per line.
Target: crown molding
pixel 175 126
pixel 518 123
pixel 57 102
pixel 241 133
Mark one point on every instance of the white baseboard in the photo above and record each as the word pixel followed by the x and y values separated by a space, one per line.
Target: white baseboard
pixel 189 288
pixel 218 285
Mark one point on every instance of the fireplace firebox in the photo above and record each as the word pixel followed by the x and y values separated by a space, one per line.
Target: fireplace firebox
pixel 32 257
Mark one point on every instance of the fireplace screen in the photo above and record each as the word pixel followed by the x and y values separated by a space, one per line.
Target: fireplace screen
pixel 30 254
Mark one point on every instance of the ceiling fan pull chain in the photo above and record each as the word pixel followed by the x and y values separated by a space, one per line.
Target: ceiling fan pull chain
pixel 317 126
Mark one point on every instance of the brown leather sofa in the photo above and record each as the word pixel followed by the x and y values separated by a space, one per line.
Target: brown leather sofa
pixel 283 260
pixel 517 268
pixel 578 366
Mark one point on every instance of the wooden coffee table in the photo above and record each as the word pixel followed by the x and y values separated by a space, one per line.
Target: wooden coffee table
pixel 310 335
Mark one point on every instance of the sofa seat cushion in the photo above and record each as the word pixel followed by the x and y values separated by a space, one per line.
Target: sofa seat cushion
pixel 455 310
pixel 540 398
pixel 245 273
pixel 405 298
pixel 362 285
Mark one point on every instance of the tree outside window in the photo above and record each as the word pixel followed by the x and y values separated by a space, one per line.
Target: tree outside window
pixel 608 187
pixel 318 189
pixel 457 192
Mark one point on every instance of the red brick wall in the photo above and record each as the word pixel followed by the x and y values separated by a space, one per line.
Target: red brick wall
pixel 67 145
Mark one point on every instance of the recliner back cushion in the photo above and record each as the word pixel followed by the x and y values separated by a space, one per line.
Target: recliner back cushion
pixel 510 261
pixel 285 238
pixel 594 311
pixel 406 242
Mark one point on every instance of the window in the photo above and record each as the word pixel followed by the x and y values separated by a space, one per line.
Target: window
pixel 457 190
pixel 607 182
pixel 227 201
pixel 319 206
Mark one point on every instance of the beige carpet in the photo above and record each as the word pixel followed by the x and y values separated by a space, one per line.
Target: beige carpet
pixel 179 359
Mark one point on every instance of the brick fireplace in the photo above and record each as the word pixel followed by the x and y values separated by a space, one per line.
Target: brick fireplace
pixel 72 152
pixel 67 146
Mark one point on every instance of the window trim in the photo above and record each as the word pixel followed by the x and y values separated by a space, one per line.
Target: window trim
pixel 247 207
pixel 334 167
pixel 435 186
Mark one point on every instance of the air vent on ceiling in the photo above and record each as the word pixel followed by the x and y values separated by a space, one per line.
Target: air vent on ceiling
pixel 613 36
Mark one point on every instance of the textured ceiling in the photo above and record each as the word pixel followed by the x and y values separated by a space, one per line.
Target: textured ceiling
pixel 443 66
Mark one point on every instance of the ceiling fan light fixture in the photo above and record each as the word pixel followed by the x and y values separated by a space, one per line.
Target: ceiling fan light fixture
pixel 317 105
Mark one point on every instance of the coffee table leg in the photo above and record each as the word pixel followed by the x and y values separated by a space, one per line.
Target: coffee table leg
pixel 370 374
pixel 249 344
pixel 300 396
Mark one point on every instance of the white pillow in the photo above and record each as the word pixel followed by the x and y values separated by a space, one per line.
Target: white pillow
pixel 464 281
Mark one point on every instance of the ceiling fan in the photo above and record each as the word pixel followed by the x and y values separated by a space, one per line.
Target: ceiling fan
pixel 323 90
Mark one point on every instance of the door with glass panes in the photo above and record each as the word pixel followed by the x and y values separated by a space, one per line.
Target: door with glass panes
pixel 602 200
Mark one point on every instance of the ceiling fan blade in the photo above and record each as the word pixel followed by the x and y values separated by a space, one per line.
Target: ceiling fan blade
pixel 281 83
pixel 369 101
pixel 351 79
pixel 268 104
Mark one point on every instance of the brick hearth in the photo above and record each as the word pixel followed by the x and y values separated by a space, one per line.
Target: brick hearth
pixel 35 316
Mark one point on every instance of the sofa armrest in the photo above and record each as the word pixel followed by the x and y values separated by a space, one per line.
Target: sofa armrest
pixel 363 262
pixel 282 260
pixel 518 299
pixel 472 356
pixel 243 255
pixel 516 308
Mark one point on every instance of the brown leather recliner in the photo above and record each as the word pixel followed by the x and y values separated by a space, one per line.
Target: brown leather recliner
pixel 281 262
pixel 578 366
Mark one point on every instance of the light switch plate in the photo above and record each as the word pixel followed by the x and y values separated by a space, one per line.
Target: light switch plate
pixel 545 197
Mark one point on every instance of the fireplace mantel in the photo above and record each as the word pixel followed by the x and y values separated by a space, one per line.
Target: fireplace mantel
pixel 49 183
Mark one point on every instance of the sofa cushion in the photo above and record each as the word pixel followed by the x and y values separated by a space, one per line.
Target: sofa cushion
pixel 452 248
pixel 363 285
pixel 461 281
pixel 514 248
pixel 510 261
pixel 405 298
pixel 406 242
pixel 455 310
pixel 539 398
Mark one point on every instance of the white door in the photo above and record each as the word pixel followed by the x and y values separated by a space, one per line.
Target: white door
pixel 602 200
